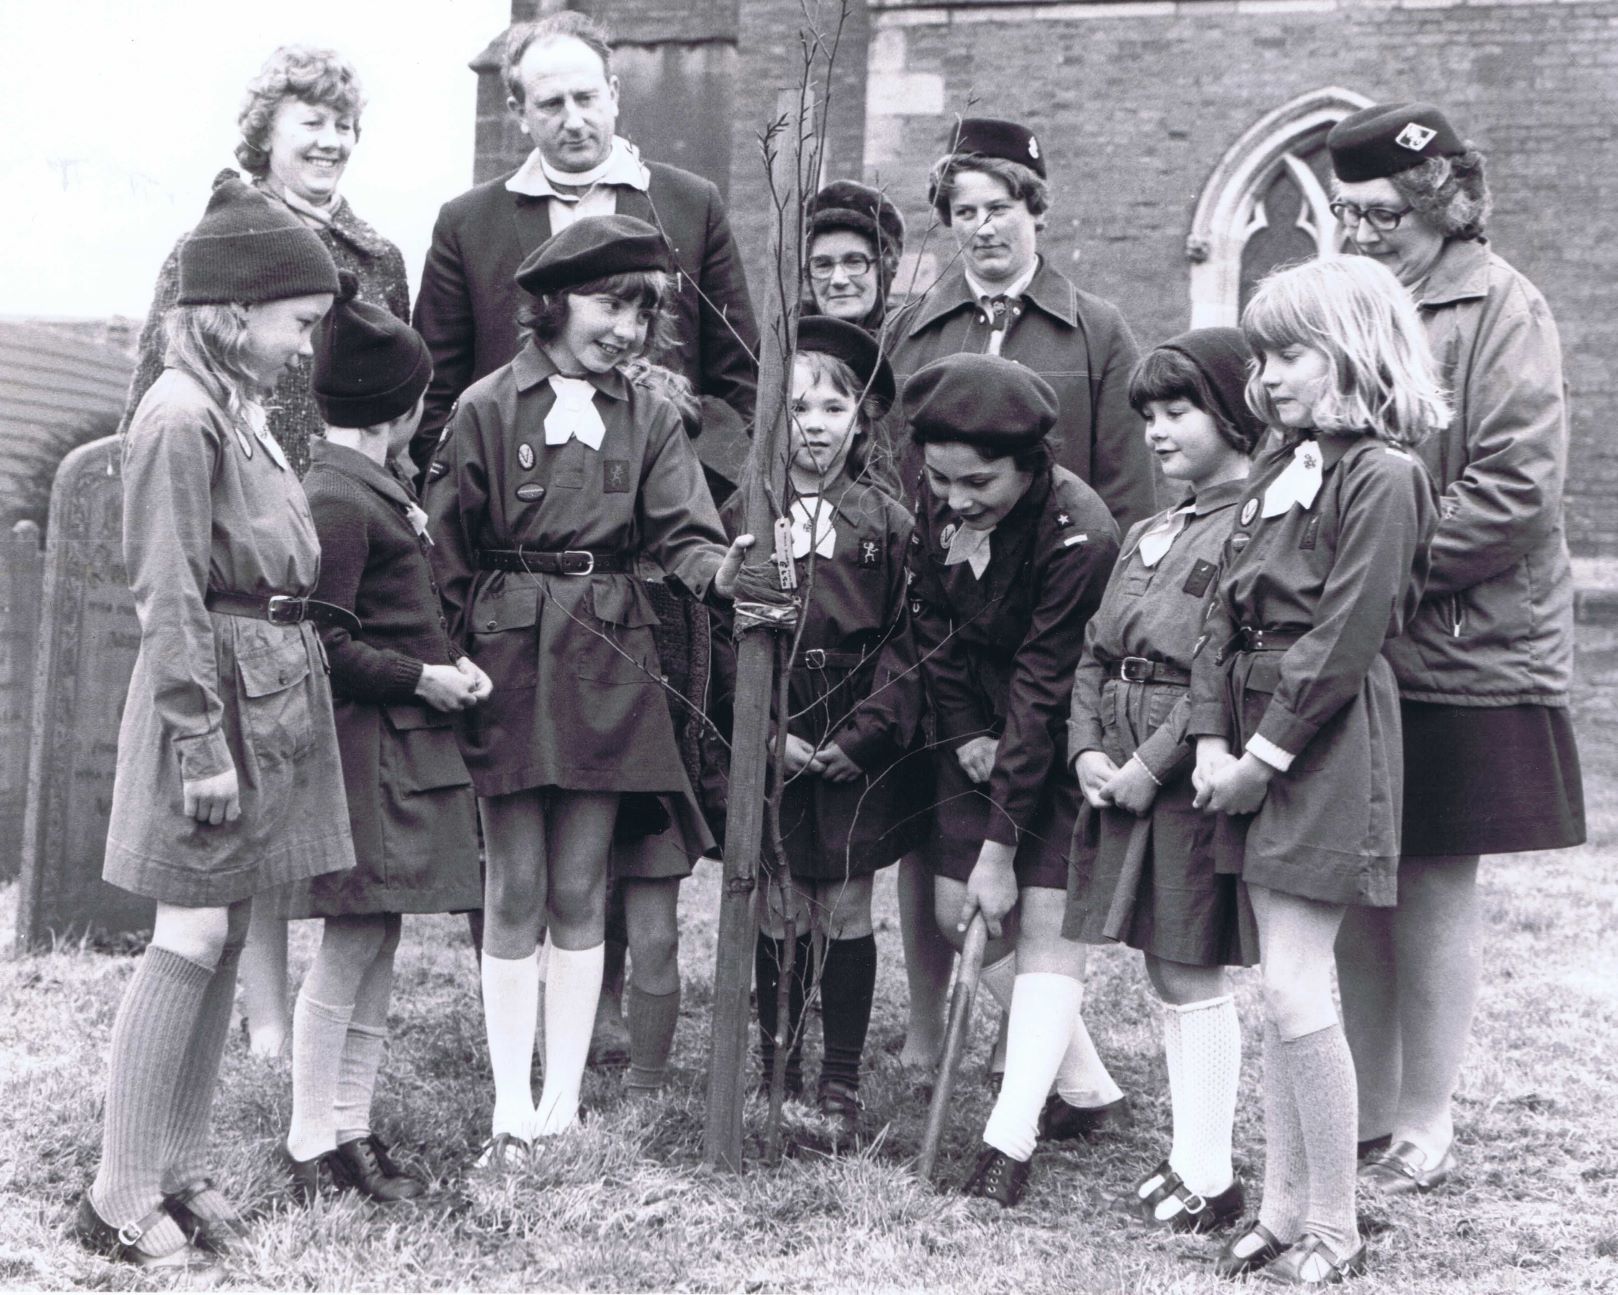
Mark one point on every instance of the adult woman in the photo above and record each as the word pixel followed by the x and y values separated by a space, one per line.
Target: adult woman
pixel 855 238
pixel 1002 298
pixel 1484 667
pixel 300 120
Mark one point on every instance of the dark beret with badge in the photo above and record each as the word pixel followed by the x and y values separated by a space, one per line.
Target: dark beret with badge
pixel 369 366
pixel 854 347
pixel 996 405
pixel 592 248
pixel 995 137
pixel 1388 138
pixel 846 204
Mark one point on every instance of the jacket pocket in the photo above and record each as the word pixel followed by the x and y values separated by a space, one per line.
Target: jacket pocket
pixel 502 638
pixel 617 648
pixel 276 720
pixel 422 754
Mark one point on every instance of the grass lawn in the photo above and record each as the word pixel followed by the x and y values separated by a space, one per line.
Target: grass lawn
pixel 624 1204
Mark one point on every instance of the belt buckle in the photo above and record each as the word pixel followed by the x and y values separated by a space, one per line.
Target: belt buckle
pixel 815 658
pixel 284 609
pixel 575 562
pixel 1135 669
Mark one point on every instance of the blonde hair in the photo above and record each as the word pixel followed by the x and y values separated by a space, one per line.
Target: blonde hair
pixel 1381 378
pixel 211 343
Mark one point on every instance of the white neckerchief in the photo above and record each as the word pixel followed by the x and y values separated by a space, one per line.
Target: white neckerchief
pixel 1298 482
pixel 574 413
pixel 811 516
pixel 536 178
pixel 971 547
pixel 1160 538
pixel 258 423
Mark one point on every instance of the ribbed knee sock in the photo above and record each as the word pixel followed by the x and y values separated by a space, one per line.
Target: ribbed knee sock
pixel 510 1017
pixel 847 990
pixel 356 1080
pixel 1323 1089
pixel 319 1031
pixel 1286 1172
pixel 153 1030
pixel 652 1022
pixel 1044 1006
pixel 1082 1078
pixel 1203 1042
pixel 186 1149
pixel 572 989
pixel 769 955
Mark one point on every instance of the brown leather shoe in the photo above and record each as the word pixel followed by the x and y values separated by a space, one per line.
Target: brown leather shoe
pixel 371 1170
pixel 1311 1262
pixel 1403 1168
pixel 998 1177
pixel 123 1243
pixel 1195 1213
pixel 1237 1260
pixel 1061 1121
pixel 205 1216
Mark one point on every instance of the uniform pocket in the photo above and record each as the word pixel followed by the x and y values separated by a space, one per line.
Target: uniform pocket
pixel 276 719
pixel 618 648
pixel 502 640
pixel 422 754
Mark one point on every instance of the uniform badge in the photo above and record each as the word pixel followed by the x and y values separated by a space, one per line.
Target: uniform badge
pixel 915 606
pixel 615 476
pixel 947 535
pixel 529 491
pixel 1249 511
pixel 525 456
pixel 1033 148
pixel 1238 541
pixel 1415 136
pixel 868 553
pixel 1202 642
pixel 438 469
pixel 1311 531
pixel 1202 574
pixel 1068 541
pixel 1062 519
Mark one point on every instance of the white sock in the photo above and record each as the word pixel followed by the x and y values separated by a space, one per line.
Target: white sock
pixel 318 1032
pixel 510 1010
pixel 1044 1006
pixel 1083 1079
pixel 572 991
pixel 1202 1088
pixel 999 977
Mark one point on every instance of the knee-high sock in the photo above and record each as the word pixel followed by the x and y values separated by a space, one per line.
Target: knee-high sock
pixel 1323 1091
pixel 1083 1079
pixel 1286 1172
pixel 1044 1006
pixel 572 990
pixel 155 1024
pixel 769 956
pixel 652 1022
pixel 318 1034
pixel 1203 1042
pixel 847 989
pixel 186 1152
pixel 363 1049
pixel 510 1016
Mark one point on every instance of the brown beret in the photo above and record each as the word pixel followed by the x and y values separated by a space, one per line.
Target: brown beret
pixel 995 404
pixel 1387 138
pixel 591 248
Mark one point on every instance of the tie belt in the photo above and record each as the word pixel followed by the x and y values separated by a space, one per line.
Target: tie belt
pixel 820 659
pixel 1139 669
pixel 1267 639
pixel 565 562
pixel 281 609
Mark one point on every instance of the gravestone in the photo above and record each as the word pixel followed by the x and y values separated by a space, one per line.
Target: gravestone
pixel 22 571
pixel 88 639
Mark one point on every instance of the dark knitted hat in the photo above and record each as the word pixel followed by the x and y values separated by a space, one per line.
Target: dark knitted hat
pixel 1387 138
pixel 854 347
pixel 369 366
pixel 843 204
pixel 995 404
pixel 591 248
pixel 1222 356
pixel 248 247
pixel 994 137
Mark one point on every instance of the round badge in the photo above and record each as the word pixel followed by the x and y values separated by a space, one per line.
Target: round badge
pixel 947 535
pixel 1238 541
pixel 530 490
pixel 525 456
pixel 1249 509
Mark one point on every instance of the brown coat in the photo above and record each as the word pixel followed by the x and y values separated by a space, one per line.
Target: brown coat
pixel 207 507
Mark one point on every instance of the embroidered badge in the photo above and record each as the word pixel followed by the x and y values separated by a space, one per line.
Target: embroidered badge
pixel 1033 148
pixel 1249 511
pixel 438 469
pixel 1062 519
pixel 868 553
pixel 525 456
pixel 915 606
pixel 1202 574
pixel 1068 541
pixel 947 535
pixel 1311 532
pixel 1239 541
pixel 529 491
pixel 1415 136
pixel 1202 642
pixel 615 476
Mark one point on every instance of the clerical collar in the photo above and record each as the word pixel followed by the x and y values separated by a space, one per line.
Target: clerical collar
pixel 536 178
pixel 1016 288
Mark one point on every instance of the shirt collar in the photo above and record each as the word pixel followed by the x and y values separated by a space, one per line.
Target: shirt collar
pixel 624 168
pixel 1216 497
pixel 1048 289
pixel 1460 273
pixel 1018 286
pixel 532 366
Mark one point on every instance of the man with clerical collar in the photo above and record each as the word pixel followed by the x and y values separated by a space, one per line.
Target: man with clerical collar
pixel 1001 297
pixel 558 75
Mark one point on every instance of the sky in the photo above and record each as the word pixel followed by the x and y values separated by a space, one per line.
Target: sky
pixel 114 118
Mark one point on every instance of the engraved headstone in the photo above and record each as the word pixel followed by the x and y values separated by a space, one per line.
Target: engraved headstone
pixel 22 571
pixel 89 636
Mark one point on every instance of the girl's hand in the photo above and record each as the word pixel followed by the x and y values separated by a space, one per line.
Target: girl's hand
pixel 1094 770
pixel 992 887
pixel 1213 753
pixel 835 766
pixel 1240 786
pixel 801 756
pixel 482 685
pixel 730 567
pixel 215 799
pixel 1132 787
pixel 976 757
pixel 444 687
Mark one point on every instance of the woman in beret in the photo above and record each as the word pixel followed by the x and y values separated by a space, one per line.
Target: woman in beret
pixel 1010 557
pixel 1484 668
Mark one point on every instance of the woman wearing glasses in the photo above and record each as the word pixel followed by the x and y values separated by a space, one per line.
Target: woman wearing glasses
pixel 855 236
pixel 1484 667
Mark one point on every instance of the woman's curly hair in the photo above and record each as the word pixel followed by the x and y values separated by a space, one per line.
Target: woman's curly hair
pixel 319 76
pixel 1450 193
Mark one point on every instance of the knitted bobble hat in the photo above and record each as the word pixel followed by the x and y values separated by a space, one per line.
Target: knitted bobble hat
pixel 369 367
pixel 247 248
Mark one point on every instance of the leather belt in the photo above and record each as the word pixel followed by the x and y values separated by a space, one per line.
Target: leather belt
pixel 566 562
pixel 1139 669
pixel 820 659
pixel 281 609
pixel 1251 639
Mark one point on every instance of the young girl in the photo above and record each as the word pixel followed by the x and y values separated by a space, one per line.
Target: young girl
pixel 558 472
pixel 1143 870
pixel 228 781
pixel 854 702
pixel 1326 564
pixel 1009 560
pixel 398 682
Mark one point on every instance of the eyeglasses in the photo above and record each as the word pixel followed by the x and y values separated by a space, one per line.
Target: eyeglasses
pixel 1382 219
pixel 853 264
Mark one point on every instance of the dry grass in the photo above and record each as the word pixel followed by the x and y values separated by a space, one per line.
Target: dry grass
pixel 624 1203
